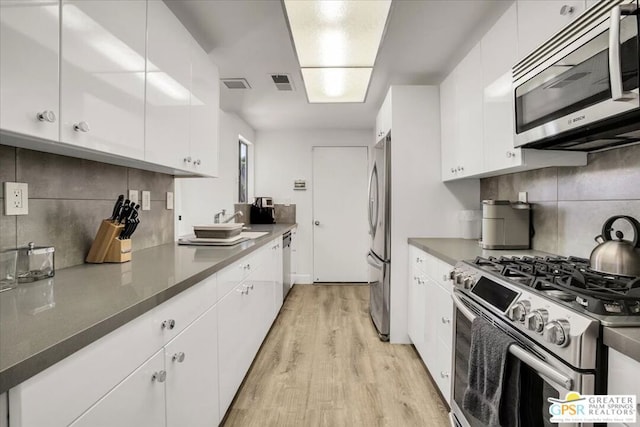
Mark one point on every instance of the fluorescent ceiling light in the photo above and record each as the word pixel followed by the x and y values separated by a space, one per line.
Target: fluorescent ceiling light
pixel 337 33
pixel 336 84
pixel 337 42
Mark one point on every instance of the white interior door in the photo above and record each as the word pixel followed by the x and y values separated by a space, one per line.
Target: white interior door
pixel 340 230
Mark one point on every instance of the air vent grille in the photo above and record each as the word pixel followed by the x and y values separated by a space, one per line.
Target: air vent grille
pixel 282 82
pixel 237 83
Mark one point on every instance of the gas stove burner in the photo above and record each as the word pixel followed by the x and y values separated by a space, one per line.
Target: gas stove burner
pixel 571 280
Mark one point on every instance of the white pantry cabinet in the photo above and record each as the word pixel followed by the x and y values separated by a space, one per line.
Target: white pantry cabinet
pixel 29 47
pixel 539 20
pixel 102 75
pixel 137 401
pixel 624 373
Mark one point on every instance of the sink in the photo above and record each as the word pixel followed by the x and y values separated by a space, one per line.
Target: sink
pixel 253 234
pixel 242 237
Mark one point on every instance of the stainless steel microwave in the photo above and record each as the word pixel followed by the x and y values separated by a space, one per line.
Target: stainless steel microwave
pixel 579 90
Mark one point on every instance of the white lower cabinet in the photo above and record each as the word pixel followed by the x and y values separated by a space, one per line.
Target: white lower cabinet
pixel 430 317
pixel 191 363
pixel 138 401
pixel 624 373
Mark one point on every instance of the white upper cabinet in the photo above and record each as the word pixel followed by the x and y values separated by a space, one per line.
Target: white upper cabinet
pixel 204 112
pixel 499 53
pixel 383 119
pixel 168 88
pixel 102 76
pixel 539 20
pixel 29 85
pixel 448 127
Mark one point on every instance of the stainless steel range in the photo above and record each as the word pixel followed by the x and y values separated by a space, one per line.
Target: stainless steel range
pixel 554 308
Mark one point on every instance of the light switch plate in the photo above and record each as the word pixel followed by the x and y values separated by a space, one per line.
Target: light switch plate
pixel 133 197
pixel 169 200
pixel 16 198
pixel 523 197
pixel 146 200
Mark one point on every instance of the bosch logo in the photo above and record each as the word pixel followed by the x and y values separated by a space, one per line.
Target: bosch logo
pixel 576 119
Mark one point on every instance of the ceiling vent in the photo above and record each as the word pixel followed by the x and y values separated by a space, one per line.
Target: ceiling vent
pixel 236 83
pixel 282 81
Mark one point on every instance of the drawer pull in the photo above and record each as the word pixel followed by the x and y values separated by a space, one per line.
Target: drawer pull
pixel 178 357
pixel 159 376
pixel 168 324
pixel 243 291
pixel 446 320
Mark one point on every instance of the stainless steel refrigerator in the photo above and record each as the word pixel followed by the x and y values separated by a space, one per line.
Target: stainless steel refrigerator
pixel 379 257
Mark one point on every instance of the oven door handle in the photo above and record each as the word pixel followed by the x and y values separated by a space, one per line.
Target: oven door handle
pixel 527 358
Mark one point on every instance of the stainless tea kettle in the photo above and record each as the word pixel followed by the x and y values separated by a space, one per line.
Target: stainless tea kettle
pixel 619 256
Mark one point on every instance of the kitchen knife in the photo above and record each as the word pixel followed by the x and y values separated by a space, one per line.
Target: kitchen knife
pixel 129 229
pixel 116 207
pixel 125 212
pixel 133 229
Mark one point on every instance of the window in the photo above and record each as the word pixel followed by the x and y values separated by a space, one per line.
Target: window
pixel 243 171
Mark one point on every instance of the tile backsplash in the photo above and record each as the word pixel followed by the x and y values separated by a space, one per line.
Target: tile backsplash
pixel 570 204
pixel 68 198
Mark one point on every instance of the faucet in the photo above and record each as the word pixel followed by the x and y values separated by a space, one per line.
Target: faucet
pixel 237 214
pixel 216 218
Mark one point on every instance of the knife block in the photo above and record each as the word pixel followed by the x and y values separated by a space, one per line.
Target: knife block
pixel 119 251
pixel 105 236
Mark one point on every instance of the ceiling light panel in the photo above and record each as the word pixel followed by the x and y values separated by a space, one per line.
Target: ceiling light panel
pixel 337 33
pixel 325 85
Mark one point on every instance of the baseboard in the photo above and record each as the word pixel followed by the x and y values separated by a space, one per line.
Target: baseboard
pixel 303 279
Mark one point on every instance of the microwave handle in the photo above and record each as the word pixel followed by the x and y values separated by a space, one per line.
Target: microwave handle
pixel 615 70
pixel 525 357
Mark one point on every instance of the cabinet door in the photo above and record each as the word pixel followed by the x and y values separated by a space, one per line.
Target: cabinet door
pixel 383 119
pixel 168 83
pixel 441 371
pixel 278 275
pixel 539 20
pixel 29 85
pixel 448 123
pixel 102 75
pixel 235 342
pixel 205 105
pixel 499 54
pixel 468 104
pixel 191 361
pixel 138 401
pixel 417 310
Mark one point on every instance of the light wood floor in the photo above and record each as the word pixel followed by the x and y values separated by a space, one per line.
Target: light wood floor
pixel 323 365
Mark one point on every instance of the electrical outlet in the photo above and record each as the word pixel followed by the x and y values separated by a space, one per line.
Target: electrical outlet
pixel 169 200
pixel 133 197
pixel 523 197
pixel 16 198
pixel 146 200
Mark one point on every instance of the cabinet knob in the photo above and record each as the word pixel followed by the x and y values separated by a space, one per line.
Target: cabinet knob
pixel 159 376
pixel 316 222
pixel 445 320
pixel 168 324
pixel 197 162
pixel 444 374
pixel 187 159
pixel 243 291
pixel 249 286
pixel 178 357
pixel 567 10
pixel 47 116
pixel 511 154
pixel 81 127
pixel 453 170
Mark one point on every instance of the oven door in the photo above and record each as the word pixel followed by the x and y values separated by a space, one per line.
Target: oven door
pixel 593 78
pixel 542 375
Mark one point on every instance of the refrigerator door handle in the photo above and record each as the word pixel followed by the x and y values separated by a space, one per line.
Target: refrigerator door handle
pixel 374 262
pixel 373 208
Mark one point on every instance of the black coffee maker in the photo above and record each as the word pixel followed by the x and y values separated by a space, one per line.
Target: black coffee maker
pixel 262 211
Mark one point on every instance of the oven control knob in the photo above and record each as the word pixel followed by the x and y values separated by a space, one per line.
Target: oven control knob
pixel 535 321
pixel 469 282
pixel 459 278
pixel 519 311
pixel 557 332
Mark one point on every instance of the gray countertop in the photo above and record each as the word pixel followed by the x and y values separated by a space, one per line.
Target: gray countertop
pixel 624 340
pixel 452 250
pixel 43 322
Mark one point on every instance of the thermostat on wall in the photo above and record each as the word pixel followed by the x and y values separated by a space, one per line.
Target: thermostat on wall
pixel 299 184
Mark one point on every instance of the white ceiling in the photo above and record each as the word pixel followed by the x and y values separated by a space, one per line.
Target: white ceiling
pixel 249 38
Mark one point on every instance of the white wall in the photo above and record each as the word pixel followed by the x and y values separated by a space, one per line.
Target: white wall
pixel 198 199
pixel 284 156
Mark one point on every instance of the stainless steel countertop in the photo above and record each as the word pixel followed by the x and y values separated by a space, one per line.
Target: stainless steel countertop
pixel 624 340
pixel 92 300
pixel 452 250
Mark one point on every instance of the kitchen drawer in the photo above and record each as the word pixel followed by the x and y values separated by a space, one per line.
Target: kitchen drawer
pixel 443 314
pixel 229 278
pixel 420 259
pixel 171 317
pixel 442 369
pixel 441 274
pixel 92 371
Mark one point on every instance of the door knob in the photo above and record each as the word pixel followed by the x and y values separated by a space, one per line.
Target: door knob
pixel 317 222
